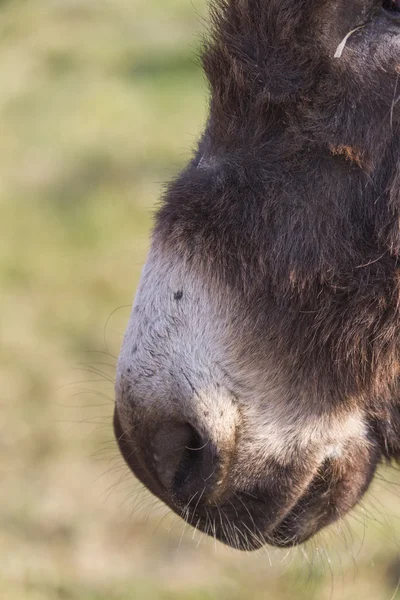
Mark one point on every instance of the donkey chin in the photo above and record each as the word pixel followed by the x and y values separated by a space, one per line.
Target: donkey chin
pixel 257 386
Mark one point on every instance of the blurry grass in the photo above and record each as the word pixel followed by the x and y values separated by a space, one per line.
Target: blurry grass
pixel 101 102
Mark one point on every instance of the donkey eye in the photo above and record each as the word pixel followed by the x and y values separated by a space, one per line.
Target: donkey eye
pixel 391 5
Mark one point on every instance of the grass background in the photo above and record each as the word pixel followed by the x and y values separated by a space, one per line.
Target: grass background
pixel 101 102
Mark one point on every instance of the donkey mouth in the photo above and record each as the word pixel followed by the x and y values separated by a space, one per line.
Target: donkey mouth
pixel 245 522
pixel 270 511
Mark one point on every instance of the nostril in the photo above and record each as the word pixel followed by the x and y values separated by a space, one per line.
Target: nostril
pixel 191 458
pixel 169 446
pixel 187 465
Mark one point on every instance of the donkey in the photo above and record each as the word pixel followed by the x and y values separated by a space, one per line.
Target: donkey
pixel 258 385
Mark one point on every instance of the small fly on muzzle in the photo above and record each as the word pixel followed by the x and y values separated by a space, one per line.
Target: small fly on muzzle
pixel 258 382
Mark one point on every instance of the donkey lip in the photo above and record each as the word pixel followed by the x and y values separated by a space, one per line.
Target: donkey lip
pixel 332 493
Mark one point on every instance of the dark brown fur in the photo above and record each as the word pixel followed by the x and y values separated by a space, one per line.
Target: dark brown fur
pixel 292 203
pixel 313 238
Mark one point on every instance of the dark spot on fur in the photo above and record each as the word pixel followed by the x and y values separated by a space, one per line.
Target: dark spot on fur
pixel 234 396
pixel 149 373
pixel 178 295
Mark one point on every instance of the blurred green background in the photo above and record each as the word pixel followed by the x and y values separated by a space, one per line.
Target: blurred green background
pixel 101 102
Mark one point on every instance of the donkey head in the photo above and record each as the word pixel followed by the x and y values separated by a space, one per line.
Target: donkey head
pixel 258 383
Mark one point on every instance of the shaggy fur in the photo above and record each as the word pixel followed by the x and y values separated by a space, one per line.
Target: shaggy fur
pixel 292 206
pixel 316 236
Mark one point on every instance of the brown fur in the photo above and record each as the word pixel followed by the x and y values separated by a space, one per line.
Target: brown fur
pixel 291 206
pixel 351 154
